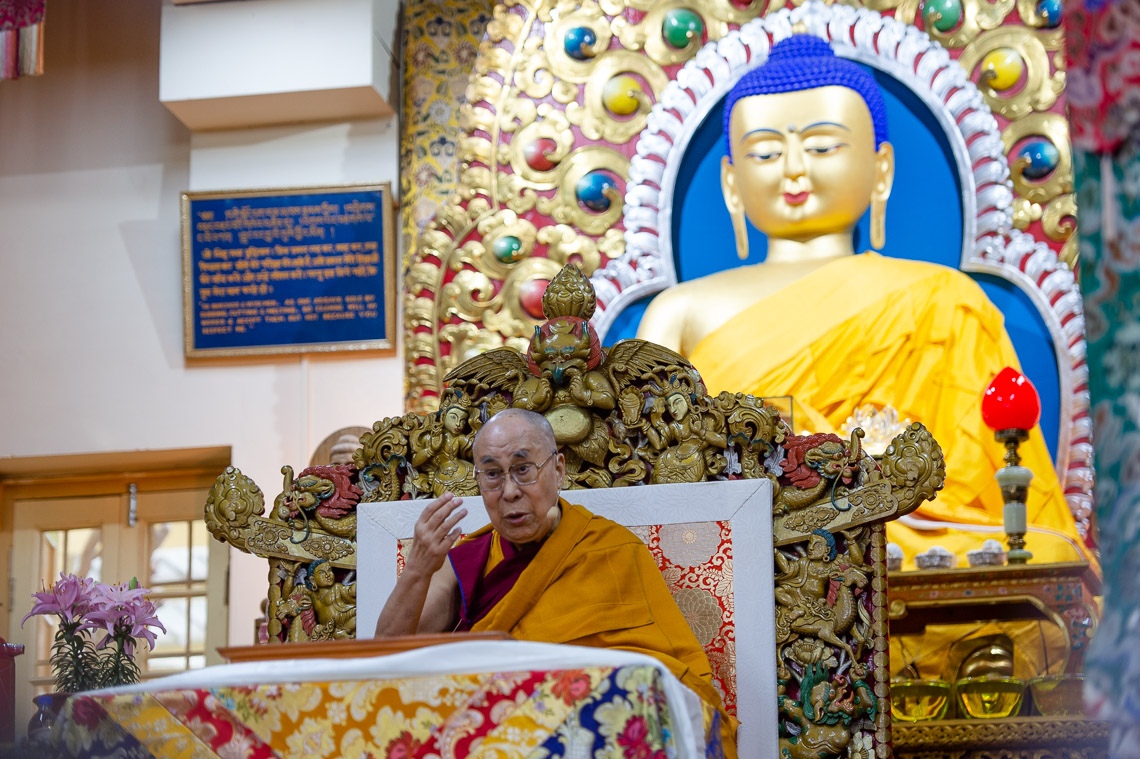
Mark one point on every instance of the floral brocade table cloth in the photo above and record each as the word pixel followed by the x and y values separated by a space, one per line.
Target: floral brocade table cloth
pixel 589 711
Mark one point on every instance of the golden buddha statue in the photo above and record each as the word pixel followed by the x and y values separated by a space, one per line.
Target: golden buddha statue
pixel 808 152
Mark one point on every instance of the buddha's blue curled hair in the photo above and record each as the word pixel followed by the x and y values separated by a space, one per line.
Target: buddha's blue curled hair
pixel 804 62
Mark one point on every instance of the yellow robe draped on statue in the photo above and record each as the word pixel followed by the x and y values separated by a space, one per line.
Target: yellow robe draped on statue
pixel 594 583
pixel 924 338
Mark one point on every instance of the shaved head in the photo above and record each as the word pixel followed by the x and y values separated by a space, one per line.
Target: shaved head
pixel 534 422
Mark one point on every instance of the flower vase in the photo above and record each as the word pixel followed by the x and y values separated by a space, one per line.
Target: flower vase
pixel 48 708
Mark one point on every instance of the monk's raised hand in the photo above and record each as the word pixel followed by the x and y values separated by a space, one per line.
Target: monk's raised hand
pixel 435 533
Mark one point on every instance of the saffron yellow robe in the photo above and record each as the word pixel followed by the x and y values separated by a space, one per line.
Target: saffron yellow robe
pixel 923 338
pixel 594 583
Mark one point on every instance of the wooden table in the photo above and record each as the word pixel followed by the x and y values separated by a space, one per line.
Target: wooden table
pixel 350 649
pixel 1036 737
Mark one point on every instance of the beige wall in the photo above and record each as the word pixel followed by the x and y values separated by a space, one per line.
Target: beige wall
pixel 91 353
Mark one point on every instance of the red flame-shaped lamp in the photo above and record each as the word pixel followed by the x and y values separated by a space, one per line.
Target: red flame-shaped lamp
pixel 1011 408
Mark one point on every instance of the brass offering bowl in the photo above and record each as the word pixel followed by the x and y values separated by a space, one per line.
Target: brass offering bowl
pixel 919 700
pixel 1058 695
pixel 989 697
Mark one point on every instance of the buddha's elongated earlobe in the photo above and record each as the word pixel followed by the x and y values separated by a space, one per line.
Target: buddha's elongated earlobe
pixel 735 208
pixel 740 229
pixel 884 181
pixel 878 223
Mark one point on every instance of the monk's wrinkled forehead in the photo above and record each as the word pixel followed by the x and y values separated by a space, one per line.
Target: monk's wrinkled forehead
pixel 513 434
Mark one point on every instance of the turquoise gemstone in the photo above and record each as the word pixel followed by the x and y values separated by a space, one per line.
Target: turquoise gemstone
pixel 1050 12
pixel 579 43
pixel 681 26
pixel 1041 158
pixel 594 191
pixel 943 15
pixel 507 248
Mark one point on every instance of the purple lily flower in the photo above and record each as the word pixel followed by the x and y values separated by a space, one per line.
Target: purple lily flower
pixel 123 614
pixel 70 598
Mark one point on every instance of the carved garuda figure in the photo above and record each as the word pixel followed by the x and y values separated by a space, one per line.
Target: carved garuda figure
pixel 632 414
pixel 626 415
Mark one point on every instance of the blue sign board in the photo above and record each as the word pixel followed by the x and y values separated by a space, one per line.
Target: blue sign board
pixel 288 271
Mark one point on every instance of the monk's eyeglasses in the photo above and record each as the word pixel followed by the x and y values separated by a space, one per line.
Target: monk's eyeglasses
pixel 525 473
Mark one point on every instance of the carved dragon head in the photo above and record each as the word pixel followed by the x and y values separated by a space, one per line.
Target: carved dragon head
pixel 561 344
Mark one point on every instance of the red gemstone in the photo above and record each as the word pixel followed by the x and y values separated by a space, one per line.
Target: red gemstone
pixel 1011 402
pixel 537 153
pixel 530 297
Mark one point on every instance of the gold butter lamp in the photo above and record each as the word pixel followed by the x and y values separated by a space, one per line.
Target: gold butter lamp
pixel 989 697
pixel 1011 408
pixel 919 700
pixel 1058 695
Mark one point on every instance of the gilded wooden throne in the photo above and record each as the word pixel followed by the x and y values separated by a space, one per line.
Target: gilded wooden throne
pixel 633 414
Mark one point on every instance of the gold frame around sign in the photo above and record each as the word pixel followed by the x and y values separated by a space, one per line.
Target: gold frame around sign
pixel 385 346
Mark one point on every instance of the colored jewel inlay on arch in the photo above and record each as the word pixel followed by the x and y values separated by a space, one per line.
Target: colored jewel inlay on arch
pixel 1039 158
pixel 596 190
pixel 579 43
pixel 942 15
pixel 508 249
pixel 1002 68
pixel 1050 12
pixel 681 26
pixel 537 154
pixel 530 297
pixel 622 95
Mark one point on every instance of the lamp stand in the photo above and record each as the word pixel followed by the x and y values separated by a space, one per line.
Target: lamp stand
pixel 1014 480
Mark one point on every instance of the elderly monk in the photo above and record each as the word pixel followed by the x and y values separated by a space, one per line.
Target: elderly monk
pixel 806 136
pixel 544 570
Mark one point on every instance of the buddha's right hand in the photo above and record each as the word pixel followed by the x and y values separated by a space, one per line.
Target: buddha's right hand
pixel 435 533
